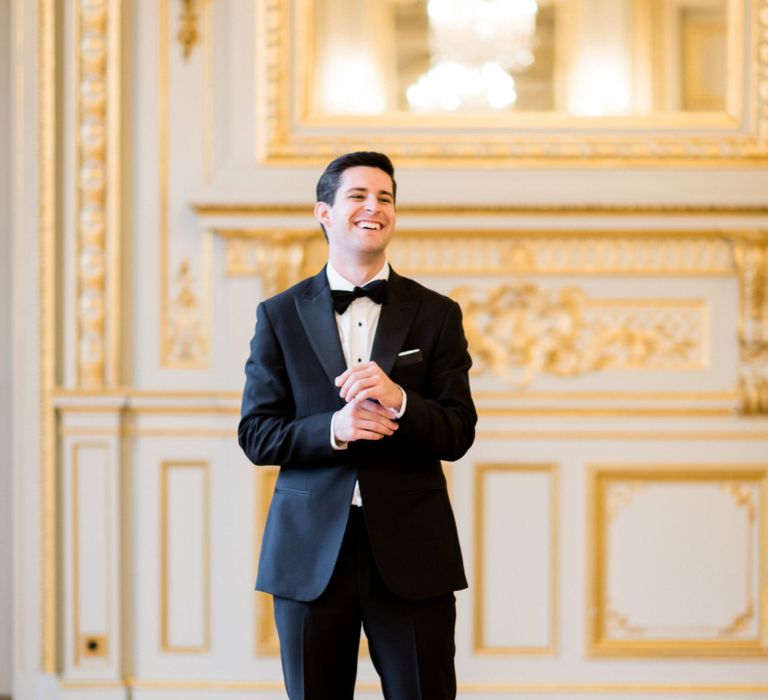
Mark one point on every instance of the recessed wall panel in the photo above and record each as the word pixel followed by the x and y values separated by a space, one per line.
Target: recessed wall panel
pixel 185 563
pixel 515 525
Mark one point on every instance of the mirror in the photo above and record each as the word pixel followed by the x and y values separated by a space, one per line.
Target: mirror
pixel 573 57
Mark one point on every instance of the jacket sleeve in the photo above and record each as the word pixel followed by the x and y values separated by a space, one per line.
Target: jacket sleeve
pixel 270 433
pixel 442 420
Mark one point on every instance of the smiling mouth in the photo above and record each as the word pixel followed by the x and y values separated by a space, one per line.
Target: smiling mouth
pixel 371 225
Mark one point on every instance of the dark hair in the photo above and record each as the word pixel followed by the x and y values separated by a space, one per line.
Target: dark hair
pixel 328 183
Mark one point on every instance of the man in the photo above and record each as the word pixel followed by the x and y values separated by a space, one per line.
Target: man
pixel 358 399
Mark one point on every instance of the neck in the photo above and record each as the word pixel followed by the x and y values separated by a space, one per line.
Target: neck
pixel 357 271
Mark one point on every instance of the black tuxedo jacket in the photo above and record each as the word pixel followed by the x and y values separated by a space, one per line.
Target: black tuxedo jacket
pixel 288 402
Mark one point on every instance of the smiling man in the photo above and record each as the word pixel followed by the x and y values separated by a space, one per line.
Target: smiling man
pixel 357 386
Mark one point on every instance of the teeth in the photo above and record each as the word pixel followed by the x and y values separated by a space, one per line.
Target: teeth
pixel 370 225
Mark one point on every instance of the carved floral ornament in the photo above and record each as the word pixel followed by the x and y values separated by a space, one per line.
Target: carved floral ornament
pixel 521 330
pixel 188 34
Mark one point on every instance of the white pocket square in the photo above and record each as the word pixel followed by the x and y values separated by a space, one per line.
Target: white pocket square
pixel 408 352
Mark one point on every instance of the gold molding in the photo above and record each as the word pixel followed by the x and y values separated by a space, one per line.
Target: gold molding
pixel 96 41
pixel 266 642
pixel 165 468
pixel 47 165
pixel 283 256
pixel 477 687
pixel 599 606
pixel 479 644
pixel 237 209
pixel 751 259
pixel 289 131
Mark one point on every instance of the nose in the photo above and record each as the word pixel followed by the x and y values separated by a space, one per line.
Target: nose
pixel 372 203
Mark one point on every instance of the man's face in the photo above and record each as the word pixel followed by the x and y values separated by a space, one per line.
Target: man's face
pixel 362 218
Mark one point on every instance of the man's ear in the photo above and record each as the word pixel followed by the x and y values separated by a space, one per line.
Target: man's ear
pixel 323 213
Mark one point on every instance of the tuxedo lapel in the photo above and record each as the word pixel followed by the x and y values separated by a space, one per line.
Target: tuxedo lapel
pixel 395 321
pixel 315 309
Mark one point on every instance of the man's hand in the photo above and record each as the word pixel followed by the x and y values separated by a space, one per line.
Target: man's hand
pixel 368 381
pixel 362 420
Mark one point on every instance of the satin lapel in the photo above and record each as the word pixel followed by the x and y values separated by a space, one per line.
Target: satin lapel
pixel 315 310
pixel 395 321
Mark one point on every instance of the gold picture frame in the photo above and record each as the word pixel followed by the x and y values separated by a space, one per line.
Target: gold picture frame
pixel 291 130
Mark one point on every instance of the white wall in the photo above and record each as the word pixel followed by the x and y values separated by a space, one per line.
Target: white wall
pixel 5 354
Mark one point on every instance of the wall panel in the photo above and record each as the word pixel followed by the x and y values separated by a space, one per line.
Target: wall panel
pixel 515 559
pixel 185 559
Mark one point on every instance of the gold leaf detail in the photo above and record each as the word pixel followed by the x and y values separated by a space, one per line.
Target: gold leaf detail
pixel 520 331
pixel 186 340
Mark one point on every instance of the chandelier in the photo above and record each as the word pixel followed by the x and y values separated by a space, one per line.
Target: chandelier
pixel 474 45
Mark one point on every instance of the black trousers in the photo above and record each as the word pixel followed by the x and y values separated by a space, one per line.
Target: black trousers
pixel 411 643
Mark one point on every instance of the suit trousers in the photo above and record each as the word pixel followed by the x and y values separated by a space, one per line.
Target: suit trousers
pixel 411 643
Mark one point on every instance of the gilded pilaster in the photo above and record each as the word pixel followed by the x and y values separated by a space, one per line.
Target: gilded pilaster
pixel 47 314
pixel 751 258
pixel 97 46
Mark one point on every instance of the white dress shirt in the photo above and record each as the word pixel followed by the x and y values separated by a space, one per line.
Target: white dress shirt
pixel 357 328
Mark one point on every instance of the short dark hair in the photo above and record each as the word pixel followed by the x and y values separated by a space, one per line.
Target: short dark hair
pixel 328 184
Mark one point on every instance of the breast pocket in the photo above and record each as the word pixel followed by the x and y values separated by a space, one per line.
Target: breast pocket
pixel 408 370
pixel 409 357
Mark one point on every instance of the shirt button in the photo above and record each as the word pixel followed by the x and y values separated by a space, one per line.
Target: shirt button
pixel 359 359
pixel 359 323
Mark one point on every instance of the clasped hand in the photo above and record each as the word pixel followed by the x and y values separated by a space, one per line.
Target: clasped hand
pixel 373 402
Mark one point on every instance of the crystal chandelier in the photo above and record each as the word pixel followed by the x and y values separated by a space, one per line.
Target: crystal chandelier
pixel 474 44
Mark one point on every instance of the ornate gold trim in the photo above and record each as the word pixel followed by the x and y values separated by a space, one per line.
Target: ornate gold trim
pixel 518 331
pixel 188 35
pixel 289 130
pixel 479 644
pixel 284 256
pixel 600 609
pixel 97 60
pixel 165 645
pixel 750 254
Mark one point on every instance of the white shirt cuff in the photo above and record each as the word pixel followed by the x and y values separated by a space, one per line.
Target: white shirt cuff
pixel 336 445
pixel 405 401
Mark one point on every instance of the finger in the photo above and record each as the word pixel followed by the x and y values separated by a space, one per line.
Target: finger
pixel 368 435
pixel 361 367
pixel 364 369
pixel 374 407
pixel 376 427
pixel 354 384
pixel 375 421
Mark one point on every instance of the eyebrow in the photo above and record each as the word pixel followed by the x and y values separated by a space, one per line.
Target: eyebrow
pixel 363 189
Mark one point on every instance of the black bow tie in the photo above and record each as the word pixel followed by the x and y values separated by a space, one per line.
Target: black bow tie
pixel 375 291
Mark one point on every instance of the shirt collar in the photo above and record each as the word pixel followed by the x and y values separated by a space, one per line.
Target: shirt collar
pixel 337 281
